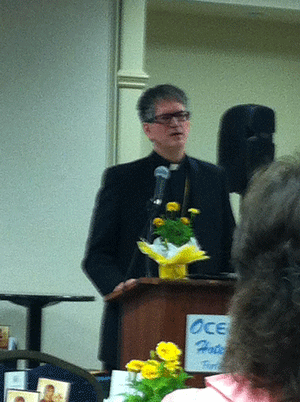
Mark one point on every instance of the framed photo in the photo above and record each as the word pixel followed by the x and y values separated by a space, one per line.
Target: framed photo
pixel 4 334
pixel 16 395
pixel 53 391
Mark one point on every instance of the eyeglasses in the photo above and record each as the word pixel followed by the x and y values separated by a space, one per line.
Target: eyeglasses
pixel 167 118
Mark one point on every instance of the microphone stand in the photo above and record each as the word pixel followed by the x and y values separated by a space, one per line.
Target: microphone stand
pixel 161 174
pixel 146 233
pixel 153 208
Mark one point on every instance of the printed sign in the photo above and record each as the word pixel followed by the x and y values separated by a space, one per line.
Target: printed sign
pixel 4 336
pixel 53 390
pixel 206 337
pixel 22 396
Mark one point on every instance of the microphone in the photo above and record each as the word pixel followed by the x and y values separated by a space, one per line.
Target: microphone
pixel 162 174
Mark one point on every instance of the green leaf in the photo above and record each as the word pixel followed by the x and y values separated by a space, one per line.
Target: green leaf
pixel 175 232
pixel 155 390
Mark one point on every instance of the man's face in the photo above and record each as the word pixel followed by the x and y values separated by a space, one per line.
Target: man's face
pixel 171 137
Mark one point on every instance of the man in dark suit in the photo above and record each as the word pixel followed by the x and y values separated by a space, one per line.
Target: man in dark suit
pixel 121 214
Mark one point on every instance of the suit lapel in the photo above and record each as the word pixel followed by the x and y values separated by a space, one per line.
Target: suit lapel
pixel 196 183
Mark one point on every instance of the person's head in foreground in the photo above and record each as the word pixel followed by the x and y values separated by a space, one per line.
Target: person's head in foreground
pixel 19 399
pixel 263 349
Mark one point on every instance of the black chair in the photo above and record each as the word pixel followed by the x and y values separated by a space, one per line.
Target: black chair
pixel 245 143
pixel 84 386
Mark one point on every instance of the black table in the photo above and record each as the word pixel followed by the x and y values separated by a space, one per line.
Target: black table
pixel 35 304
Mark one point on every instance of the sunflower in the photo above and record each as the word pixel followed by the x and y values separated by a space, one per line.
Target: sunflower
pixel 150 371
pixel 135 366
pixel 168 351
pixel 158 222
pixel 172 207
pixel 185 220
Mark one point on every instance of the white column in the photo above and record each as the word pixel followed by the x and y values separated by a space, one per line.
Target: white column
pixel 131 79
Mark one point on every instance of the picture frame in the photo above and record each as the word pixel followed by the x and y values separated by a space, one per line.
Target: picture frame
pixel 15 380
pixel 17 395
pixel 4 336
pixel 53 390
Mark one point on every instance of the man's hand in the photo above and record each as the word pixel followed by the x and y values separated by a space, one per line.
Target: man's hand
pixel 124 285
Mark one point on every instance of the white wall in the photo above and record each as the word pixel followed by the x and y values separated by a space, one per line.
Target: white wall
pixel 222 62
pixel 54 147
pixel 54 140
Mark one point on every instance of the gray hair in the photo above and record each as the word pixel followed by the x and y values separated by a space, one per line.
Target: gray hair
pixel 148 100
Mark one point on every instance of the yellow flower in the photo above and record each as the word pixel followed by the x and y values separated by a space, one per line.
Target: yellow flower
pixel 194 211
pixel 153 362
pixel 168 351
pixel 150 371
pixel 185 221
pixel 173 206
pixel 135 366
pixel 172 365
pixel 158 222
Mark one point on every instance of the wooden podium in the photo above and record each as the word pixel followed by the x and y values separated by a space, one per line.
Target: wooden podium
pixel 154 310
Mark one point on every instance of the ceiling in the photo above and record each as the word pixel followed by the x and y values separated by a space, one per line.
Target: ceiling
pixel 228 8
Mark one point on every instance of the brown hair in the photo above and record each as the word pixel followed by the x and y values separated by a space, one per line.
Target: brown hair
pixel 264 341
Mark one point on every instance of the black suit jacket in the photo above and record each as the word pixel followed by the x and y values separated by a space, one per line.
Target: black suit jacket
pixel 119 219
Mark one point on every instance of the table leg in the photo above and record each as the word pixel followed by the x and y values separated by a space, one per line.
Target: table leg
pixel 34 326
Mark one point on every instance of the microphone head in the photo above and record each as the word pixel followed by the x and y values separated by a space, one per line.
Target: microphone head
pixel 162 171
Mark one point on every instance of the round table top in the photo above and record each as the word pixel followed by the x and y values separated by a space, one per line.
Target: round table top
pixel 28 300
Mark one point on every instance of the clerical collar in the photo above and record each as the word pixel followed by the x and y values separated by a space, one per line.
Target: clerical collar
pixel 174 166
pixel 159 160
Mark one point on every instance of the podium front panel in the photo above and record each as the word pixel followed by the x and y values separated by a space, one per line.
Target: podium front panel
pixel 155 310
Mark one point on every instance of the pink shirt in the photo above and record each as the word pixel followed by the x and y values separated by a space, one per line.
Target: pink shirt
pixel 220 388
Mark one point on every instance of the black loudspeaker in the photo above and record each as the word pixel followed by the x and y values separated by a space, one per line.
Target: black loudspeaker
pixel 245 143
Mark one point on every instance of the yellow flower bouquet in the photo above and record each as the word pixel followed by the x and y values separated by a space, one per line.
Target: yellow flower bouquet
pixel 158 376
pixel 176 245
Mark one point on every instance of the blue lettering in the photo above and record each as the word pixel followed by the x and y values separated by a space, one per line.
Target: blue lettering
pixel 209 327
pixel 209 366
pixel 196 327
pixel 204 347
pixel 221 328
pixel 206 328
